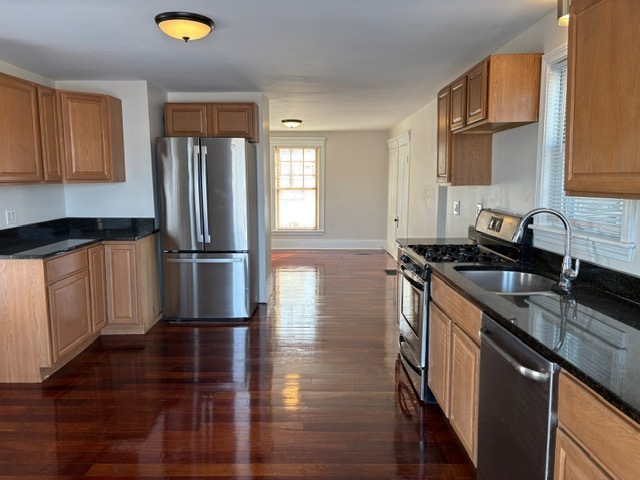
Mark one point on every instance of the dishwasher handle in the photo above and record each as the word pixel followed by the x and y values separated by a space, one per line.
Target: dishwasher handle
pixel 521 369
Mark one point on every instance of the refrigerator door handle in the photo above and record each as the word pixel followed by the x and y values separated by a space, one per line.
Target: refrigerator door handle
pixel 196 187
pixel 205 260
pixel 205 197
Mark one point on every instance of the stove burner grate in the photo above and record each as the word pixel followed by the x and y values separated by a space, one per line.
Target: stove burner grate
pixel 454 253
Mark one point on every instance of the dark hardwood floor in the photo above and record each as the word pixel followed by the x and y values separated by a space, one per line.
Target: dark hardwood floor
pixel 309 389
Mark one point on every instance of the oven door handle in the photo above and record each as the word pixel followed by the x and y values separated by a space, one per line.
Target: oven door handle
pixel 416 285
pixel 408 356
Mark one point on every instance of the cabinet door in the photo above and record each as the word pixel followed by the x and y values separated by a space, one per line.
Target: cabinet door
pixel 50 134
pixel 122 301
pixel 97 274
pixel 20 154
pixel 186 120
pixel 444 135
pixel 572 463
pixel 477 93
pixel 93 145
pixel 69 313
pixel 463 406
pixel 439 349
pixel 458 103
pixel 603 99
pixel 234 120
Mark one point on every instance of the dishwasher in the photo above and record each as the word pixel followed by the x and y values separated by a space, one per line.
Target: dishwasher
pixel 517 412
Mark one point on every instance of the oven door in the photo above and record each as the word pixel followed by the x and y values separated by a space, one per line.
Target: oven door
pixel 411 313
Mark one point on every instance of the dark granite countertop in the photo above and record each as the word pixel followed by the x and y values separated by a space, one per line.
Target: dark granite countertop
pixel 46 239
pixel 592 334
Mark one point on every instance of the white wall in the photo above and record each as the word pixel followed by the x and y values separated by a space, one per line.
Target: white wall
pixel 134 197
pixel 355 192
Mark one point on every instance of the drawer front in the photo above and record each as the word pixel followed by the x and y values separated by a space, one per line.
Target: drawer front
pixel 60 267
pixel 465 314
pixel 602 431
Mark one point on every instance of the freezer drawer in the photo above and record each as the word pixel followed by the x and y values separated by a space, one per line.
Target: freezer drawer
pixel 207 286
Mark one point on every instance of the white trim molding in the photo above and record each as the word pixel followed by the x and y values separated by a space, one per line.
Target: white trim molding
pixel 315 142
pixel 594 250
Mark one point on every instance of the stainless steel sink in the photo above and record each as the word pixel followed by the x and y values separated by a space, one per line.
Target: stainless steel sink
pixel 509 282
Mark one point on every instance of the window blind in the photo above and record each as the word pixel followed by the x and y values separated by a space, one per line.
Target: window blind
pixel 600 216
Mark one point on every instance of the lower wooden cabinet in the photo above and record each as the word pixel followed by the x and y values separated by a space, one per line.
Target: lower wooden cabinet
pixel 69 313
pixel 52 309
pixel 595 441
pixel 454 361
pixel 439 355
pixel 98 288
pixel 45 314
pixel 463 403
pixel 133 293
pixel 573 463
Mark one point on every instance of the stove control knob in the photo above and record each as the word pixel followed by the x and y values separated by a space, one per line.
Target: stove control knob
pixel 405 258
pixel 416 269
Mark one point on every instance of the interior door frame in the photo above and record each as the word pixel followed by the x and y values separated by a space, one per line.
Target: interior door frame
pixel 398 190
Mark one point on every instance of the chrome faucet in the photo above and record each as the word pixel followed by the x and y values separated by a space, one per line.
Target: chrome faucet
pixel 568 274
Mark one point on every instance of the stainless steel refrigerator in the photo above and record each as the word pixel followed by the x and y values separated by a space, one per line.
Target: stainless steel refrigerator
pixel 208 222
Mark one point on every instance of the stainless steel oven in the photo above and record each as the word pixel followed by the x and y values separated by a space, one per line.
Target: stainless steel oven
pixel 412 312
pixel 413 317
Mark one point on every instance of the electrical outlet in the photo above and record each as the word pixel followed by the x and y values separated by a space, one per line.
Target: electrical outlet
pixel 336 231
pixel 456 207
pixel 10 216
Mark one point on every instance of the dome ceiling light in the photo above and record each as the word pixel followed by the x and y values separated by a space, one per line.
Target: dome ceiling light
pixel 184 25
pixel 291 122
pixel 563 12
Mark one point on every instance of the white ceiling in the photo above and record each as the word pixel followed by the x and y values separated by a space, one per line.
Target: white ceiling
pixel 336 64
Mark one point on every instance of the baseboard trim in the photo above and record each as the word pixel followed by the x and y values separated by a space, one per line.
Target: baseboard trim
pixel 323 244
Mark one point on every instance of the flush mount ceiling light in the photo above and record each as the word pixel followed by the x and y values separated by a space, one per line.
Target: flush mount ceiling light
pixel 291 122
pixel 563 12
pixel 184 25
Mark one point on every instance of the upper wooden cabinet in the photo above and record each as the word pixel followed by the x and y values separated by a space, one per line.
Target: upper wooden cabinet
pixel 20 154
pixel 477 81
pixel 603 99
pixel 462 159
pixel 501 92
pixel 50 134
pixel 93 137
pixel 211 120
pixel 444 135
pixel 458 99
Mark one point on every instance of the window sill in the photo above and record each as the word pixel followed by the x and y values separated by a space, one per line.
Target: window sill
pixel 591 249
pixel 278 233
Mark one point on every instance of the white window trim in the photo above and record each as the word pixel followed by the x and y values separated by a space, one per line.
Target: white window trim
pixel 314 142
pixel 590 248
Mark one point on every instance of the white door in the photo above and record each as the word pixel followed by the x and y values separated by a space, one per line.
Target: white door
pixel 398 195
pixel 392 219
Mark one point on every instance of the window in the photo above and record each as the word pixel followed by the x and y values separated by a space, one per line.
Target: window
pixel 297 166
pixel 602 221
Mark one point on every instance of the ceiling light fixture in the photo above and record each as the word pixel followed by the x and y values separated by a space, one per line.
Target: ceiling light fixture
pixel 291 122
pixel 563 12
pixel 184 25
